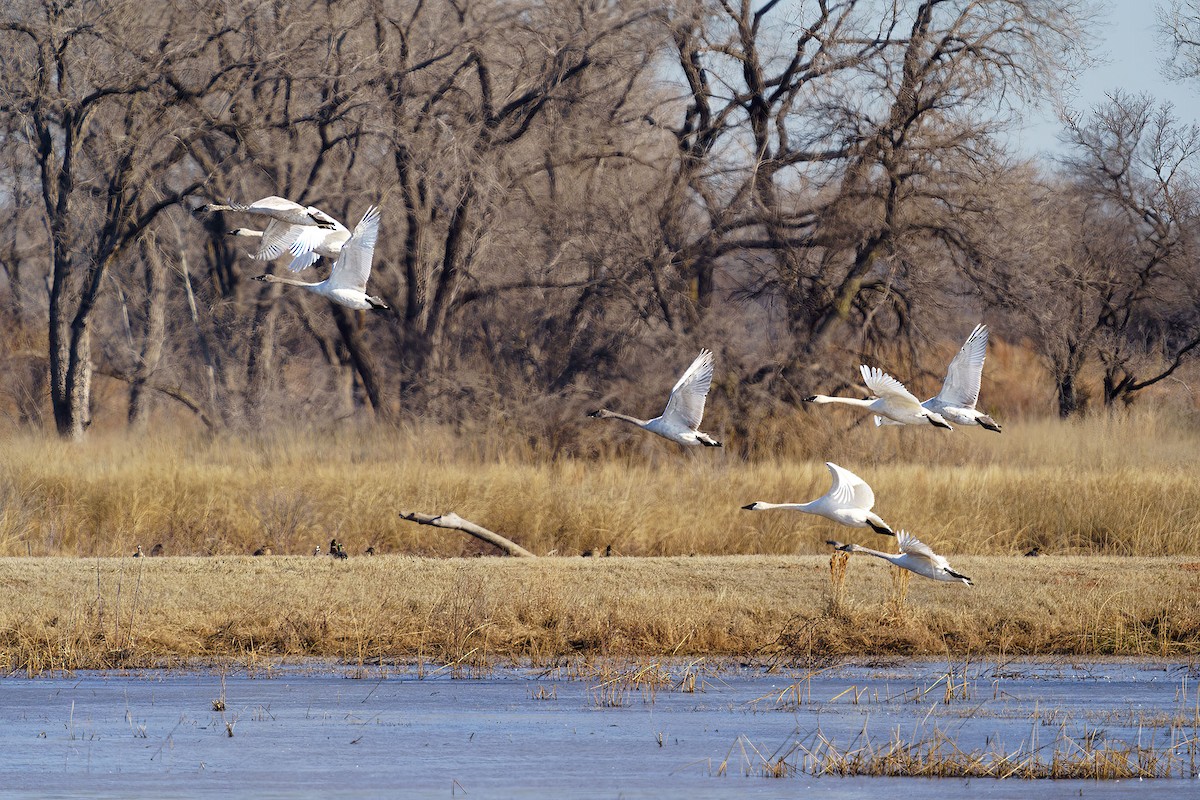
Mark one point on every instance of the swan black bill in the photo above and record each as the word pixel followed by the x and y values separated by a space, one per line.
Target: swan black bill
pixel 812 398
pixel 933 421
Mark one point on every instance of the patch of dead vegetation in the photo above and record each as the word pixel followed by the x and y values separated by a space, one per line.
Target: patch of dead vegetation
pixel 466 615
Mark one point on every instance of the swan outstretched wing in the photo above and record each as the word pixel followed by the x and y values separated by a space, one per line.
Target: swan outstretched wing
pixel 961 387
pixel 912 546
pixel 310 237
pixel 303 261
pixel 687 398
pixel 883 385
pixel 277 237
pixel 268 205
pixel 284 210
pixel 353 265
pixel 848 489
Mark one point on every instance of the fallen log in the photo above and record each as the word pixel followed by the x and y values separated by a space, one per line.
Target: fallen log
pixel 455 522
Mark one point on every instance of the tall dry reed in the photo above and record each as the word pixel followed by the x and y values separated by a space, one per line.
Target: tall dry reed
pixel 1119 486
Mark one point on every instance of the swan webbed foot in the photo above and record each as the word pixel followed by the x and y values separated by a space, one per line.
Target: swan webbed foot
pixel 884 529
pixel 960 577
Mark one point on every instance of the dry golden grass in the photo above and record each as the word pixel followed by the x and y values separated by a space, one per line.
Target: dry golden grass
pixel 936 753
pixel 1123 486
pixel 1085 492
pixel 68 613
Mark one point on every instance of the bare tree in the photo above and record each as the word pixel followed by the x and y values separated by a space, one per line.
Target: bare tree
pixel 1179 25
pixel 572 193
pixel 103 124
pixel 859 139
pixel 472 111
pixel 1136 164
pixel 1094 264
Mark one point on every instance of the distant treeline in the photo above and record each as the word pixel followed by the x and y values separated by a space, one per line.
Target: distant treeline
pixel 576 197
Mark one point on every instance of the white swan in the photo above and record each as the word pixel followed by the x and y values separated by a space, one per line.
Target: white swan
pixel 960 391
pixel 307 231
pixel 279 209
pixel 848 501
pixel 680 422
pixel 890 400
pixel 347 282
pixel 914 555
pixel 306 243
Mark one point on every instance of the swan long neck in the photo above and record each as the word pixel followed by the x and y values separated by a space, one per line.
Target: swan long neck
pixel 247 232
pixel 641 423
pixel 760 506
pixel 288 281
pixel 848 401
pixel 858 548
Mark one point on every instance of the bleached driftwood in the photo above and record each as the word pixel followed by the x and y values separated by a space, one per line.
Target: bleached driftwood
pixel 455 522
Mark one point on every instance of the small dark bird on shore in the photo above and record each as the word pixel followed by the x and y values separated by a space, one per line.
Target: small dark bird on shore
pixel 138 553
pixel 263 551
pixel 1034 553
pixel 157 550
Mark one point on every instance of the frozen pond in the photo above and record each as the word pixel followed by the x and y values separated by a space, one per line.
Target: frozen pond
pixel 648 731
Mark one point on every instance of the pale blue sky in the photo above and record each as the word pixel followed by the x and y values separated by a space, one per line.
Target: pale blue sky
pixel 1132 53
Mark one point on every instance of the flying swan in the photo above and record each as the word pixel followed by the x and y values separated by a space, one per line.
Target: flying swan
pixel 848 501
pixel 680 422
pixel 890 399
pixel 914 556
pixel 278 209
pixel 306 243
pixel 307 232
pixel 960 391
pixel 347 282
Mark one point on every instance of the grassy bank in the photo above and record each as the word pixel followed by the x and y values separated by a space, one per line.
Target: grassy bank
pixel 1104 486
pixel 100 613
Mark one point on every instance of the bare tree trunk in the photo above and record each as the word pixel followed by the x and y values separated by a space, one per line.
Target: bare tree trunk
pixel 70 358
pixel 364 363
pixel 260 361
pixel 1069 401
pixel 153 334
